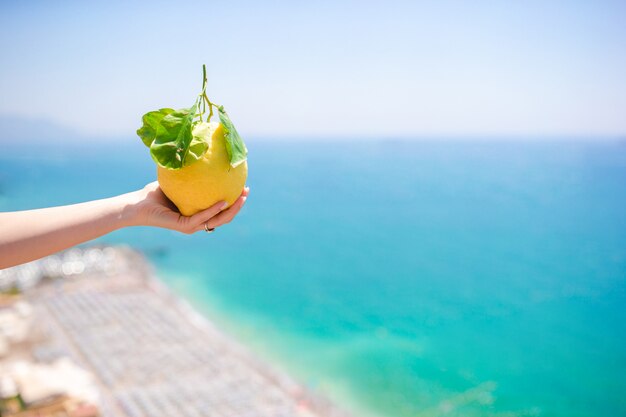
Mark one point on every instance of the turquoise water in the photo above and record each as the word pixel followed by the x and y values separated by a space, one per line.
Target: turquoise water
pixel 403 279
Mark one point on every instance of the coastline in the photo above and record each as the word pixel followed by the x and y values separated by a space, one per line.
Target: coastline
pixel 80 299
pixel 265 349
pixel 279 376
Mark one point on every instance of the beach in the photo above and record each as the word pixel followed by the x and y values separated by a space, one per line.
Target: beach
pixel 149 352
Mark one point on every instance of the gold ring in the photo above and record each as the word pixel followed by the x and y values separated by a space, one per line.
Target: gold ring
pixel 207 228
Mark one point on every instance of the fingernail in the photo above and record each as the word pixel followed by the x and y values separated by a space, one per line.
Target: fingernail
pixel 244 199
pixel 224 205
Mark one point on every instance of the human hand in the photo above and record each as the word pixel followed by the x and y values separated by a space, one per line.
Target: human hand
pixel 152 208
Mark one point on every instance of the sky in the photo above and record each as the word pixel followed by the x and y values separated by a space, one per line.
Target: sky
pixel 322 69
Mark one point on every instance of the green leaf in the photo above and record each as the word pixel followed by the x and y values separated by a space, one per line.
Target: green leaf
pixel 170 148
pixel 237 151
pixel 151 122
pixel 201 137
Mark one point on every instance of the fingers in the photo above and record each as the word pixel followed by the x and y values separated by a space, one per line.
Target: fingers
pixel 226 216
pixel 202 217
pixel 159 211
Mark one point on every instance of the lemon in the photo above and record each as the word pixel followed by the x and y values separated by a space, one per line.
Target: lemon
pixel 206 181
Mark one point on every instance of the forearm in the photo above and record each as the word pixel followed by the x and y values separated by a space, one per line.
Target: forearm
pixel 32 234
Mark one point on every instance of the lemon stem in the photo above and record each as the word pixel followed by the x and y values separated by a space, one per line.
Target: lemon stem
pixel 204 99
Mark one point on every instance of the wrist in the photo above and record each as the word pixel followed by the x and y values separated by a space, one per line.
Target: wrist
pixel 126 208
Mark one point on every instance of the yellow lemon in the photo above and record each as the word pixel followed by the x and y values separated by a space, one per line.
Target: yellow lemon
pixel 206 181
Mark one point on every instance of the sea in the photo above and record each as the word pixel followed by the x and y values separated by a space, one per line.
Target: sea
pixel 396 277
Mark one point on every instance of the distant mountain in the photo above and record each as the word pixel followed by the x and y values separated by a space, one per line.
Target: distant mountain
pixel 19 128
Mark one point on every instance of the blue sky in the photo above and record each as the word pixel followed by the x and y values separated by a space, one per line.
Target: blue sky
pixel 322 69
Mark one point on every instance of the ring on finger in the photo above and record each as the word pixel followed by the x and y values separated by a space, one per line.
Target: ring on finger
pixel 207 228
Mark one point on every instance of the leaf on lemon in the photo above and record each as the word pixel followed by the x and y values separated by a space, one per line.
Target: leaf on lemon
pixel 201 137
pixel 151 121
pixel 170 148
pixel 237 151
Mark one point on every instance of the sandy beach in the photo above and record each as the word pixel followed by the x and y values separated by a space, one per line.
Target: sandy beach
pixel 145 351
